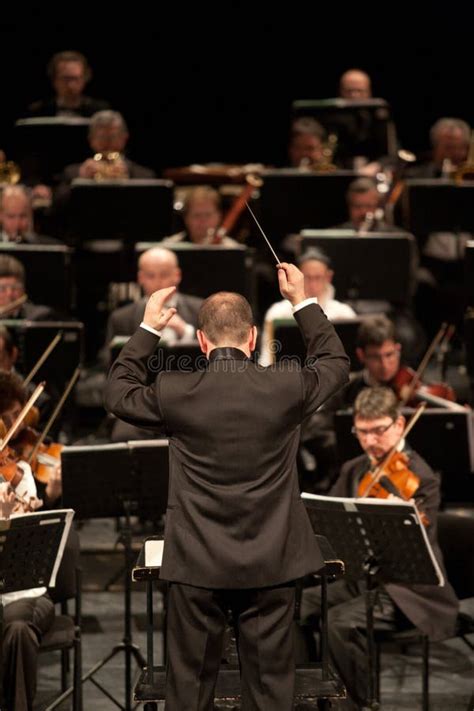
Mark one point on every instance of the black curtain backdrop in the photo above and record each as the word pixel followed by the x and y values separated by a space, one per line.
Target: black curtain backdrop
pixel 215 82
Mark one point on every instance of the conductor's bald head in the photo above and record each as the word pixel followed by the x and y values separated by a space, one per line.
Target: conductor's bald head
pixel 225 319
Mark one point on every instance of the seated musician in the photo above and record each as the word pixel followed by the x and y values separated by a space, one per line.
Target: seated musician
pixel 69 72
pixel 306 142
pixel 14 303
pixel 27 614
pixel 355 84
pixel 158 268
pixel 202 216
pixel 16 217
pixel 378 426
pixel 318 275
pixel 380 352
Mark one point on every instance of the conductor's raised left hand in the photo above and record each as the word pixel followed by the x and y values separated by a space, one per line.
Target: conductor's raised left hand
pixel 156 315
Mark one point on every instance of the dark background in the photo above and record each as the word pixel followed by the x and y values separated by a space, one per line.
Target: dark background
pixel 215 82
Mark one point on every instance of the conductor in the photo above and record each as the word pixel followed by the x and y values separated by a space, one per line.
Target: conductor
pixel 237 535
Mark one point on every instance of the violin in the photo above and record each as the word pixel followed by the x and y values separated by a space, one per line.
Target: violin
pixel 393 476
pixel 409 387
pixel 30 447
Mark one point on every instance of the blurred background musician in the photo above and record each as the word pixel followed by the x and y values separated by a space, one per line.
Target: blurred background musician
pixel 69 73
pixel 355 84
pixel 202 216
pixel 16 217
pixel 306 142
pixel 12 289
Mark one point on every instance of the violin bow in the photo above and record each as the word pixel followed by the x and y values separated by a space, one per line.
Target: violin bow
pixel 377 473
pixel 424 362
pixel 43 357
pixel 54 414
pixel 13 304
pixel 26 408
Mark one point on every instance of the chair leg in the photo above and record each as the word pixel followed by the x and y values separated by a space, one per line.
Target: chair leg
pixel 377 672
pixel 64 669
pixel 77 693
pixel 426 673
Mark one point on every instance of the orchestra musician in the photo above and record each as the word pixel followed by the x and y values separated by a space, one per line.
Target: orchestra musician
pixel 14 302
pixel 378 426
pixel 237 535
pixel 202 216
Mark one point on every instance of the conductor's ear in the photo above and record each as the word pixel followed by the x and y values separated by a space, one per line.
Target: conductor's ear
pixel 203 342
pixel 253 338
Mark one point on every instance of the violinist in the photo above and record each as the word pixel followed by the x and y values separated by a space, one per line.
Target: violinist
pixel 14 302
pixel 13 396
pixel 202 216
pixel 378 426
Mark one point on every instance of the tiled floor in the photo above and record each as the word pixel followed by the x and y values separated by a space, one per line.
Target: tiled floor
pixel 452 663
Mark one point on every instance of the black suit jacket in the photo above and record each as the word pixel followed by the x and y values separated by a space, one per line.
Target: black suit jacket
pixel 235 518
pixel 431 608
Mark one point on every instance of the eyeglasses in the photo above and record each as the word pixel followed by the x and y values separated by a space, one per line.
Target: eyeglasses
pixel 10 287
pixel 377 431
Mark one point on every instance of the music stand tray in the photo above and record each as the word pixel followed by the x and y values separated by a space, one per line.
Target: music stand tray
pixel 372 266
pixel 121 209
pixel 363 127
pixel 210 268
pixel 287 335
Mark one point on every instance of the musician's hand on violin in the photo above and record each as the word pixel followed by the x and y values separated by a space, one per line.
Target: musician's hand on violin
pixel 291 282
pixel 54 487
pixel 7 501
pixel 156 315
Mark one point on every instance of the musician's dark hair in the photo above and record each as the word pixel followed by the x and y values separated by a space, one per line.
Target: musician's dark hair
pixel 8 340
pixel 374 331
pixel 11 390
pixel 314 254
pixel 360 186
pixel 226 318
pixel 11 267
pixel 307 125
pixel 372 403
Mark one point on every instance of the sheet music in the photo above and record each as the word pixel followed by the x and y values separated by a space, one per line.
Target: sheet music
pixel 154 553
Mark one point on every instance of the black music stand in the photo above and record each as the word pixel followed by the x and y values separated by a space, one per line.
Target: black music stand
pixel 31 549
pixel 363 128
pixel 32 338
pixel 45 145
pixel 469 274
pixel 381 541
pixel 292 200
pixel 131 210
pixel 210 268
pixel 375 266
pixel 430 205
pixel 290 342
pixel 118 480
pixel 48 268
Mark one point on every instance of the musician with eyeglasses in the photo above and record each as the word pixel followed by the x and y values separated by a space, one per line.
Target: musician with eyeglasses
pixel 14 302
pixel 378 427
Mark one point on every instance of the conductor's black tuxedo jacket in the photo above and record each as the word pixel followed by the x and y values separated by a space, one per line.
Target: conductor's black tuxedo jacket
pixel 235 518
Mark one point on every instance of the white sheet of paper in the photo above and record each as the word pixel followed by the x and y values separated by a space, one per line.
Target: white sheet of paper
pixel 153 553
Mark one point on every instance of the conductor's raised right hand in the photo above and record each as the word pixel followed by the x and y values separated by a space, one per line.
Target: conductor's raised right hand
pixel 156 315
pixel 291 282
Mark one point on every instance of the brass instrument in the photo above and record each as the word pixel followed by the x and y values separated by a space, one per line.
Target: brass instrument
pixel 9 171
pixel 110 166
pixel 465 171
pixel 325 163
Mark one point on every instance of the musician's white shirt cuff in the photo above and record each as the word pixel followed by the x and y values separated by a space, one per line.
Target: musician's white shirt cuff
pixel 306 302
pixel 150 329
